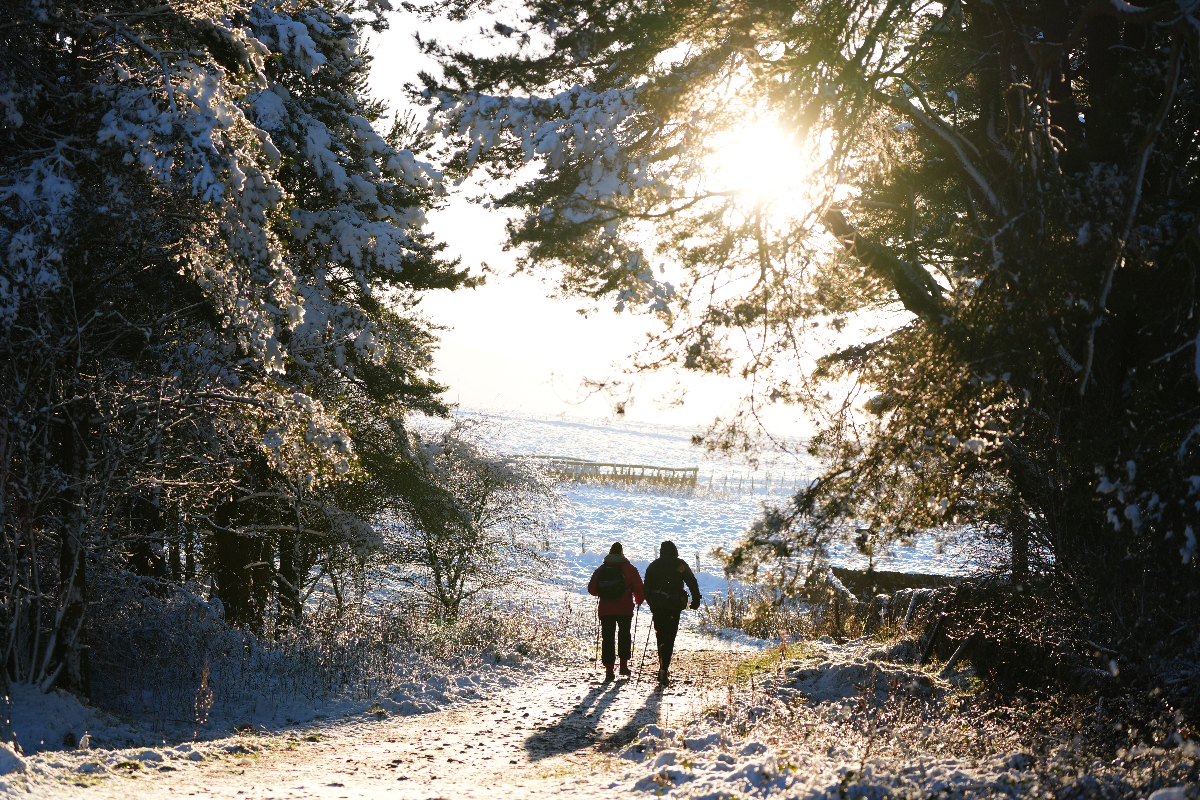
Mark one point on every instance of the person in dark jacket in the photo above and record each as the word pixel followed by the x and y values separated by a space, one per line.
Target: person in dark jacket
pixel 665 579
pixel 618 585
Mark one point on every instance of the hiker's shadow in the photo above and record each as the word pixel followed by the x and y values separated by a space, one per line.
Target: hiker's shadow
pixel 647 714
pixel 581 727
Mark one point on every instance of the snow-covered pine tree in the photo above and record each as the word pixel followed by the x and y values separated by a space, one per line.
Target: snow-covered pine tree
pixel 982 215
pixel 201 235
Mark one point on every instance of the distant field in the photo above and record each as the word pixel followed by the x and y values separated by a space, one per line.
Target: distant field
pixel 600 515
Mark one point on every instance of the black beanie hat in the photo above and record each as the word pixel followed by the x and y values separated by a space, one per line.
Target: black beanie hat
pixel 668 550
pixel 616 549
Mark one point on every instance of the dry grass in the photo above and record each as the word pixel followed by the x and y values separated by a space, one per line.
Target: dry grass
pixel 1073 746
pixel 172 659
pixel 764 613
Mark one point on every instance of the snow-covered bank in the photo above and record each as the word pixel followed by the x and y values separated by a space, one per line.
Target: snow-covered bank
pixel 845 722
pixel 58 721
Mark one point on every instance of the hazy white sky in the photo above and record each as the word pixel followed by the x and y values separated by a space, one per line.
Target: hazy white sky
pixel 508 345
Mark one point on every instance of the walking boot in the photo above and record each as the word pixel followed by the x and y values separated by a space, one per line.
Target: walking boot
pixel 625 667
pixel 663 677
pixel 608 673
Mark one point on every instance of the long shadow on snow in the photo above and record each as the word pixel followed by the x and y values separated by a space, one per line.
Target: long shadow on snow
pixel 581 727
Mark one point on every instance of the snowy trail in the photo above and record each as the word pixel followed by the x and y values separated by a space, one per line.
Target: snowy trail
pixel 550 733
pixel 832 723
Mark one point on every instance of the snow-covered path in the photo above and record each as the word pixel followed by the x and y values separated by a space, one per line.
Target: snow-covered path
pixel 832 723
pixel 549 733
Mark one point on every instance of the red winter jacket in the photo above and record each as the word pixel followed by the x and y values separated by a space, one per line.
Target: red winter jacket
pixel 624 606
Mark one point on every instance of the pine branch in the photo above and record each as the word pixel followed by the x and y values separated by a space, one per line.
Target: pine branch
pixel 1143 158
pixel 917 289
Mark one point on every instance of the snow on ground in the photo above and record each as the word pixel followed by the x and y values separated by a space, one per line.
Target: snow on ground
pixel 58 720
pixel 834 725
pixel 500 737
pixel 841 721
pixel 111 748
pixel 599 515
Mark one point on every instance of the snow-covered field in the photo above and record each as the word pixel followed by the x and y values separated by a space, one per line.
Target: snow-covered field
pixel 600 515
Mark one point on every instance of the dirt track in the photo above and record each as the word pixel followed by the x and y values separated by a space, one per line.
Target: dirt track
pixel 552 731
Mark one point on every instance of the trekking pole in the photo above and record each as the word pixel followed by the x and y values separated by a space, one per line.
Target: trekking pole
pixel 645 647
pixel 597 637
pixel 637 615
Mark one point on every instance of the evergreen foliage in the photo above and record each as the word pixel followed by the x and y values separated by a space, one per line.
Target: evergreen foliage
pixel 985 227
pixel 209 265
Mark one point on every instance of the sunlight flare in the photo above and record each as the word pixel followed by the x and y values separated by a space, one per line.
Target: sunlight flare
pixel 761 161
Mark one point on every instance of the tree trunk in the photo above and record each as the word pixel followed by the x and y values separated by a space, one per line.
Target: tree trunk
pixel 70 653
pixel 337 592
pixel 289 581
pixel 1020 555
pixel 228 560
pixel 67 666
pixel 174 569
pixel 1063 113
pixel 189 555
pixel 1103 132
pixel 917 289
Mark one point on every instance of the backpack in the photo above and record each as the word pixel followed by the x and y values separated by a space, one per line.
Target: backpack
pixel 664 591
pixel 611 582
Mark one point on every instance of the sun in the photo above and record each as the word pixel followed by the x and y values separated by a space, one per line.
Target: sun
pixel 761 162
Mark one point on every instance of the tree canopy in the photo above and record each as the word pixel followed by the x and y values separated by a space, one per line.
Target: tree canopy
pixel 971 253
pixel 211 260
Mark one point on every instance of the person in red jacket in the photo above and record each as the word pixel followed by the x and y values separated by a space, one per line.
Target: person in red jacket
pixel 618 585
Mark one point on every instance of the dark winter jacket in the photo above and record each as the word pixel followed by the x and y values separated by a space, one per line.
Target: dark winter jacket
pixel 665 578
pixel 633 583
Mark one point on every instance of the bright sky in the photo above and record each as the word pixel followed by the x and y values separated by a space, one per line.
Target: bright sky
pixel 508 345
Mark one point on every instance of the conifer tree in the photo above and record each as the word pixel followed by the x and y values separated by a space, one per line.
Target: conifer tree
pixel 208 256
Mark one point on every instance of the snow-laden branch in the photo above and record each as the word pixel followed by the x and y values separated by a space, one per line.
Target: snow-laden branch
pixel 942 132
pixel 917 289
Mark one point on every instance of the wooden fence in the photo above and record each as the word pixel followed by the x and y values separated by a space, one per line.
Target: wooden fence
pixel 579 469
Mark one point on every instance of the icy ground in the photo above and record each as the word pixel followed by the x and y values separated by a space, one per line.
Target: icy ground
pixel 826 722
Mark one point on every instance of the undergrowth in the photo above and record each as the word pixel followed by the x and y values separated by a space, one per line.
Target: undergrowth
pixel 1064 745
pixel 765 613
pixel 172 657
pixel 1037 687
